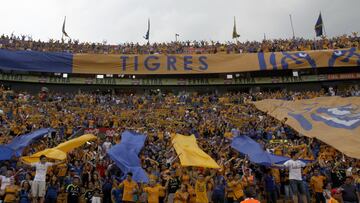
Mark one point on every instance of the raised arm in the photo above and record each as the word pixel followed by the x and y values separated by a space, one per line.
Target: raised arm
pixel 278 165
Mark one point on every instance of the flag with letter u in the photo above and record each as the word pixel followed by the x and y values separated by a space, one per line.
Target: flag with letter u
pixel 319 26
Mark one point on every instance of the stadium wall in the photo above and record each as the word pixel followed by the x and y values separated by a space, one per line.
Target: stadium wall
pixel 314 86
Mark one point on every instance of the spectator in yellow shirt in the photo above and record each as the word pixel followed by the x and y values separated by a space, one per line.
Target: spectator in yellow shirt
pixel 11 192
pixel 130 188
pixel 317 185
pixel 335 196
pixel 153 192
pixel 181 195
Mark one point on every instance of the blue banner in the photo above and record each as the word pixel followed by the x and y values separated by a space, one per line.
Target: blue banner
pixel 36 61
pixel 18 144
pixel 126 155
pixel 255 152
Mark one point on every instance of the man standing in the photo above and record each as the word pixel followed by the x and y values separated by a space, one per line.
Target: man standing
pixel 270 187
pixel 171 186
pixel 317 185
pixel 295 177
pixel 248 180
pixel 129 187
pixel 218 194
pixel 349 193
pixel 153 192
pixel 38 187
pixel 5 181
pixel 74 191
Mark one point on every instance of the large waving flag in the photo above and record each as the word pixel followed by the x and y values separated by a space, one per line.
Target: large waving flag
pixel 319 26
pixel 126 155
pixel 50 153
pixel 333 120
pixel 255 152
pixel 75 143
pixel 59 152
pixel 190 154
pixel 18 144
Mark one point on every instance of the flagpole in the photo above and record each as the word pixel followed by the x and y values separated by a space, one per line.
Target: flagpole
pixel 149 31
pixel 62 33
pixel 236 37
pixel 292 26
pixel 235 40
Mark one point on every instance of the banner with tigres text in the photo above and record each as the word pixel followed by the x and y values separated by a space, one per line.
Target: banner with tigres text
pixel 175 63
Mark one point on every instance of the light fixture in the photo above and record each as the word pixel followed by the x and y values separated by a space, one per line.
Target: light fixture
pixel 229 76
pixel 65 75
pixel 237 75
pixel 133 76
pixel 295 74
pixel 109 75
pixel 57 74
pixel 99 76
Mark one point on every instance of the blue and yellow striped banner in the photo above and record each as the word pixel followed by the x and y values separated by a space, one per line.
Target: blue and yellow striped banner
pixel 175 64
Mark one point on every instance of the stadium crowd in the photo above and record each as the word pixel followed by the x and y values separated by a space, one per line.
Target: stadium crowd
pixel 89 175
pixel 187 47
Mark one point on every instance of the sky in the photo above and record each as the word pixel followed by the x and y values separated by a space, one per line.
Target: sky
pixel 121 21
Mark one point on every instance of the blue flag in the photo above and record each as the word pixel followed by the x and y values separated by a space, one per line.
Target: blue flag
pixel 255 152
pixel 319 26
pixel 126 155
pixel 19 143
pixel 147 35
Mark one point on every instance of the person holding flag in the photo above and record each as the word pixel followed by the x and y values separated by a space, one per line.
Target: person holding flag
pixel 38 187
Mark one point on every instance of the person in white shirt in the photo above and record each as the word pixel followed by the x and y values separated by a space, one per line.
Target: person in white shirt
pixel 107 144
pixel 295 176
pixel 5 181
pixel 351 169
pixel 38 187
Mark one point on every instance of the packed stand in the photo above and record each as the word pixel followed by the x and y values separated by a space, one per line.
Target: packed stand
pixel 187 47
pixel 89 175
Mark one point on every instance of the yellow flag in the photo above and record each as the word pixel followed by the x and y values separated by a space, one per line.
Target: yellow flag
pixel 190 154
pixel 59 152
pixel 76 142
pixel 50 153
